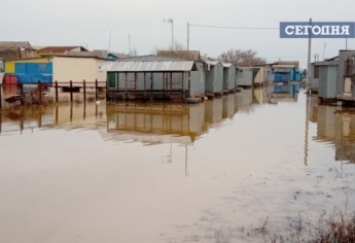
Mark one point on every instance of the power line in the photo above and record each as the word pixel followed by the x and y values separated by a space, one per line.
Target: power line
pixel 231 27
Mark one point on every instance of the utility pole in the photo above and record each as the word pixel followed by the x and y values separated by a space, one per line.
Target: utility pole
pixel 188 36
pixel 171 21
pixel 308 79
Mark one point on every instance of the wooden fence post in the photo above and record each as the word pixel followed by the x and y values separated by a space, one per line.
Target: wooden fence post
pixel 56 91
pixel 0 99
pixel 71 91
pixel 84 90
pixel 96 90
pixel 39 92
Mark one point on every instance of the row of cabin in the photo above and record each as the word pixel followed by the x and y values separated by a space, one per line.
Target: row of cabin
pixel 334 78
pixel 154 76
pixel 169 78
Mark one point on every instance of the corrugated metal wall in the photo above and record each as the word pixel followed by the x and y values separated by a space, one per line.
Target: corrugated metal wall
pixel 214 78
pixel 328 81
pixel 229 78
pixel 198 80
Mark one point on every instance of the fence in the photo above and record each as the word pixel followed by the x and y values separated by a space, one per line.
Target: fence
pixel 42 93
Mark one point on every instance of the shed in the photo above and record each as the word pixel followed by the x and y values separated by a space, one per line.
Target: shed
pixel 244 77
pixel 229 73
pixel 168 80
pixel 214 77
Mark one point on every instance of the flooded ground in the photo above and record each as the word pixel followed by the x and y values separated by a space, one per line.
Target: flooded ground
pixel 237 169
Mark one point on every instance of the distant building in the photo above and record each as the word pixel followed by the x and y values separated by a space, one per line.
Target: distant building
pixel 60 50
pixel 284 71
pixel 16 50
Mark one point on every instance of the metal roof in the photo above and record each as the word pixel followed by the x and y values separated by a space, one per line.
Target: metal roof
pixel 283 66
pixel 60 48
pixel 227 65
pixel 166 66
pixel 15 44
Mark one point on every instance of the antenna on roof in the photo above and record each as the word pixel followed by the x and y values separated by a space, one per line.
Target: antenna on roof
pixel 129 45
pixel 109 42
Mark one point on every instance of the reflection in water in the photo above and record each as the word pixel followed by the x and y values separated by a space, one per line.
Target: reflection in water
pixel 286 92
pixel 81 188
pixel 336 126
pixel 147 123
pixel 68 117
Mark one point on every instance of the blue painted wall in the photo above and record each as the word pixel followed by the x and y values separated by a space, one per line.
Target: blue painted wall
pixel 33 72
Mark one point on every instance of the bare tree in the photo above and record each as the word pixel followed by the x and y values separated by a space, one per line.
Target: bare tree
pixel 242 58
pixel 179 52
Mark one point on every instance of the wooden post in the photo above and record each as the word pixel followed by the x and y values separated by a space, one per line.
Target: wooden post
pixel 183 85
pixel 96 90
pixel 135 81
pixel 145 89
pixel 21 93
pixel 56 91
pixel 126 83
pixel 171 84
pixel 39 92
pixel 0 100
pixel 71 91
pixel 84 90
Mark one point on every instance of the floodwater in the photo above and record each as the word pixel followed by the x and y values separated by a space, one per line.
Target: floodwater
pixel 212 172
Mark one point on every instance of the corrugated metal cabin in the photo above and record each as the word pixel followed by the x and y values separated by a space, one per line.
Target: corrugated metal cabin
pixel 229 75
pixel 214 77
pixel 169 80
pixel 244 77
pixel 328 72
pixel 197 77
pixel 336 78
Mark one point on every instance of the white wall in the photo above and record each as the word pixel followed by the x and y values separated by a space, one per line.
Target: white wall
pixel 77 69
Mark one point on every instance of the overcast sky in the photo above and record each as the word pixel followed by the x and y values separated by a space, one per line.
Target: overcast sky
pixel 90 22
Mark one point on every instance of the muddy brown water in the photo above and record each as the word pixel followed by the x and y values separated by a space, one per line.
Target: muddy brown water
pixel 150 173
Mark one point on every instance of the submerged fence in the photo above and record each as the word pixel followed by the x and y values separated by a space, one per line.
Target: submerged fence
pixel 43 93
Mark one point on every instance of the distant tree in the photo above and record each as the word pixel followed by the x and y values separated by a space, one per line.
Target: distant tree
pixel 242 58
pixel 179 51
